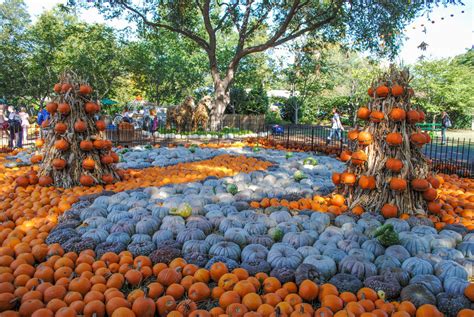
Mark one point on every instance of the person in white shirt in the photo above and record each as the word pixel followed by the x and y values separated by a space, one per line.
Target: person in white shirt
pixel 25 123
pixel 14 124
pixel 336 127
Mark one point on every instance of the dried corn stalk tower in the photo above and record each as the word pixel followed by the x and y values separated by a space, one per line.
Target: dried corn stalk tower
pixel 386 169
pixel 74 151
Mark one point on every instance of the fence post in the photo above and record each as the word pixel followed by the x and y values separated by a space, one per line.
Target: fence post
pixel 288 138
pixel 312 138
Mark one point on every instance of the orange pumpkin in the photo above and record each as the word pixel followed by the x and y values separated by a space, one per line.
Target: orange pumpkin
pixel 80 126
pixel 398 114
pixel 398 184
pixel 382 91
pixel 363 113
pixel 64 108
pixel 394 139
pixel 389 211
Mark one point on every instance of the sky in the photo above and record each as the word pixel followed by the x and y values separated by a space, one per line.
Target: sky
pixel 446 37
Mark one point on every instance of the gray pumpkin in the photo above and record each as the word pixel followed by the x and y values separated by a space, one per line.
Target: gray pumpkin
pixel 356 236
pixel 337 255
pixel 123 226
pixel 447 269
pixel 256 267
pixel 307 251
pixel 442 242
pixel 117 216
pixel 141 248
pixel 306 271
pixel 358 267
pixel 254 252
pixel 333 235
pixel 346 283
pixel 93 212
pixel 160 212
pixel 386 283
pixel 362 254
pixel 204 225
pixel 98 235
pixel 104 247
pixel 147 225
pixel 417 294
pixel 117 208
pixel 386 261
pixel 283 255
pixel 467 248
pixel 321 219
pixel 231 264
pixel 283 274
pixel 139 237
pixel 199 259
pixel 162 235
pixel 343 219
pixel 374 247
pixel 171 220
pixel 399 225
pixel 164 255
pixel 402 276
pixel 431 282
pixel 451 304
pixel 280 216
pixel 120 237
pixel 414 244
pixel 448 254
pixel 227 223
pixel 424 230
pixel 175 228
pixel 417 266
pixel 286 227
pixel 196 246
pixel 264 240
pixel 347 245
pixel 455 285
pixel 226 249
pixel 456 236
pixel 214 238
pixel 298 239
pixel 326 266
pixel 94 222
pixel 237 235
pixel 255 228
pixel 398 252
pixel 139 213
pixel 190 234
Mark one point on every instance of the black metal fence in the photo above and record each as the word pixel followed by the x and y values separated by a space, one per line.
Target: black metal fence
pixel 454 155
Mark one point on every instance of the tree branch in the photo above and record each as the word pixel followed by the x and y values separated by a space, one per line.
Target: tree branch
pixel 194 37
pixel 220 23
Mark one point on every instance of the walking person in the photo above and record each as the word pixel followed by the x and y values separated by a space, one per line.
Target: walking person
pixel 25 123
pixel 16 133
pixel 43 115
pixel 4 124
pixel 445 124
pixel 336 127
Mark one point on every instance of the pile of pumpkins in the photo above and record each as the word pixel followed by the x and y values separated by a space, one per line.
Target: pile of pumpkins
pixel 203 224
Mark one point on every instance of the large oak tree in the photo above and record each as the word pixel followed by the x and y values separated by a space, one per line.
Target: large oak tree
pixel 374 25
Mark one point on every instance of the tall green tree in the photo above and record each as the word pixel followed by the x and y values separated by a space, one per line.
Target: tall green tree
pixel 14 21
pixel 45 41
pixel 446 85
pixel 375 26
pixel 165 67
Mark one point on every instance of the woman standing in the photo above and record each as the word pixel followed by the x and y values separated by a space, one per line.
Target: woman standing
pixel 445 124
pixel 3 124
pixel 25 123
pixel 14 124
pixel 336 127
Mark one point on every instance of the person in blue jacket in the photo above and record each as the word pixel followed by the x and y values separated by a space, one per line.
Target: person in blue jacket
pixel 43 115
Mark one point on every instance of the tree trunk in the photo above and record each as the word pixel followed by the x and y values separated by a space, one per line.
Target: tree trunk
pixel 222 97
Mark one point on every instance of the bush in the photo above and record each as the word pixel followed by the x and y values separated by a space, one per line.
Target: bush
pixel 289 109
pixel 253 102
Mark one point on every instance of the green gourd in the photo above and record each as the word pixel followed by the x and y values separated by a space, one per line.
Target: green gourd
pixel 386 235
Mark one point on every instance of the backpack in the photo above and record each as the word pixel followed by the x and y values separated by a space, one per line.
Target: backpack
pixel 447 122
